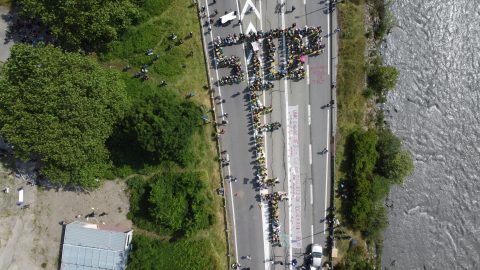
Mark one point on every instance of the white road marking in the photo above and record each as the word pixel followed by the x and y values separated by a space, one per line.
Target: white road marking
pixel 245 8
pixel 310 153
pixel 309 116
pixel 228 168
pixel 250 29
pixel 308 74
pixel 290 251
pixel 311 194
pixel 326 166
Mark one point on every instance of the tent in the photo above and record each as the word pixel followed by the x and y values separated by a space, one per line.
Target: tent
pixel 20 196
pixel 227 17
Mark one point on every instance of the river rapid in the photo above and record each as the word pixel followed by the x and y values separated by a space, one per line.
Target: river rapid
pixel 435 109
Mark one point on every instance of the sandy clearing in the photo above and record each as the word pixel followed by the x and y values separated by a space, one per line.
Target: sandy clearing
pixel 30 237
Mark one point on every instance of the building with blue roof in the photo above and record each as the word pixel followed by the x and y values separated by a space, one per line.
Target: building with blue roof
pixel 89 246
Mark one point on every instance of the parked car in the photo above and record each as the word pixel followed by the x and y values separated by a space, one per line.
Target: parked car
pixel 316 256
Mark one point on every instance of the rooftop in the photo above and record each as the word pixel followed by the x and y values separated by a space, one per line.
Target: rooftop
pixel 95 247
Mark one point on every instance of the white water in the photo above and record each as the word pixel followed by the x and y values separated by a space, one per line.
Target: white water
pixel 435 222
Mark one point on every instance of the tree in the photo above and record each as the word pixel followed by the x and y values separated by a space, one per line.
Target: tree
pixel 163 125
pixel 364 153
pixel 394 163
pixel 60 108
pixel 86 24
pixel 382 78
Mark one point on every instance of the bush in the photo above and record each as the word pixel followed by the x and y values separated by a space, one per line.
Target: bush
pixel 355 259
pixel 382 79
pixel 364 153
pixel 163 124
pixel 192 254
pixel 171 202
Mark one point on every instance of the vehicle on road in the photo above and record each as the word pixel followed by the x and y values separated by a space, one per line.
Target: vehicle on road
pixel 316 257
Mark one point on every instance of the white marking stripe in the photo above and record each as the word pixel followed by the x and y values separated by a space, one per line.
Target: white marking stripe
pixel 245 8
pixel 308 74
pixel 310 153
pixel 309 115
pixel 326 167
pixel 250 29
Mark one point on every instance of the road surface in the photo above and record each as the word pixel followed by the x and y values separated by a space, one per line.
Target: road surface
pixel 295 154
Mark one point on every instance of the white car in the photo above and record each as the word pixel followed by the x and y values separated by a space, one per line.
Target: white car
pixel 316 256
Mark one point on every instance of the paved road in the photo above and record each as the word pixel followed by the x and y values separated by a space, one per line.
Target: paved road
pixel 249 216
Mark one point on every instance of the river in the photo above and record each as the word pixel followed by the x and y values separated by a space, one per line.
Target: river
pixel 435 109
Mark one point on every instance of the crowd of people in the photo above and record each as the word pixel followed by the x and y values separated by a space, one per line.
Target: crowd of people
pixel 298 44
pixel 260 128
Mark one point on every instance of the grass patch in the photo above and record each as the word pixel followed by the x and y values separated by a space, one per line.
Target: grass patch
pixel 350 77
pixel 5 3
pixel 159 249
pixel 149 253
pixel 350 86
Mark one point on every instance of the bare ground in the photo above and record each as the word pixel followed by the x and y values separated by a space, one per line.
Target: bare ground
pixel 31 237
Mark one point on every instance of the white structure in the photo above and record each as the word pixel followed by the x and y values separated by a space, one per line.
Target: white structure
pixel 20 196
pixel 95 247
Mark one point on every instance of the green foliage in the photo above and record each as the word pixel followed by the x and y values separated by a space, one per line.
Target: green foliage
pixel 355 259
pixel 163 124
pixel 364 153
pixel 382 79
pixel 86 24
pixel 377 221
pixel 383 18
pixel 151 254
pixel 60 108
pixel 377 161
pixel 171 202
pixel 394 163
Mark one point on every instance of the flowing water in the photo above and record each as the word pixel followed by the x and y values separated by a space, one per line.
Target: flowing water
pixel 435 109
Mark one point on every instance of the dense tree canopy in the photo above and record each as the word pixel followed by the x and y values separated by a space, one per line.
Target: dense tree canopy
pixel 60 108
pixel 394 162
pixel 85 24
pixel 163 125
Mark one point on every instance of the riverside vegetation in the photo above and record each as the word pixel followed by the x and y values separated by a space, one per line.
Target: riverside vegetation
pixel 370 157
pixel 69 104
